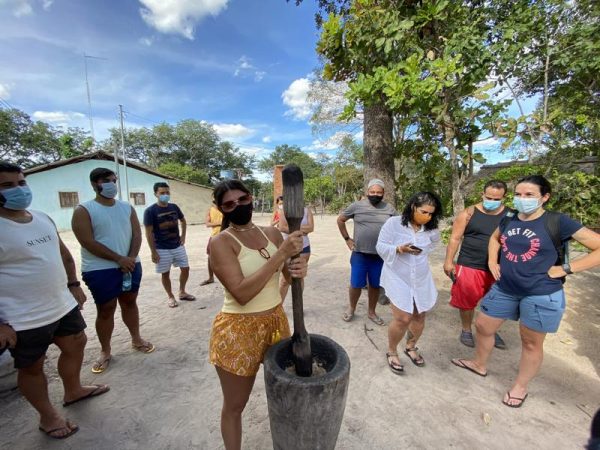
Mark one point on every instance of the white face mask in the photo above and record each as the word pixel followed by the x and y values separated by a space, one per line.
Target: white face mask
pixel 280 206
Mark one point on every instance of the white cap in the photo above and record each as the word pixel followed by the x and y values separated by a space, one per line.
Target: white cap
pixel 376 182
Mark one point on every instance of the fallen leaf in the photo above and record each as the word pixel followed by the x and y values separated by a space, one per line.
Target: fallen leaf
pixel 487 419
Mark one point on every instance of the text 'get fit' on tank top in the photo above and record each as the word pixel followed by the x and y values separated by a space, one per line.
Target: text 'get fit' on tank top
pixel 250 261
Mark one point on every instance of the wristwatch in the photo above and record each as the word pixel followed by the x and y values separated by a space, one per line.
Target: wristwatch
pixel 567 268
pixel 73 284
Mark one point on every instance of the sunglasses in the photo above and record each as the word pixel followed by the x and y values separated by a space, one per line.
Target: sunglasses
pixel 231 204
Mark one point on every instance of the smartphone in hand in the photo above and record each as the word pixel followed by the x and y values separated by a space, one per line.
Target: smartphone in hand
pixel 452 277
pixel 415 248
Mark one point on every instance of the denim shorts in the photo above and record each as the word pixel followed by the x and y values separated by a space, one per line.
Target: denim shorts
pixel 107 284
pixel 365 266
pixel 541 313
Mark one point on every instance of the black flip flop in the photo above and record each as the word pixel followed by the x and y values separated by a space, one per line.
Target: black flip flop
pixel 460 363
pixel 70 433
pixel 100 389
pixel 520 400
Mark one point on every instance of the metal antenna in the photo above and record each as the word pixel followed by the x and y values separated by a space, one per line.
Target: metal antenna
pixel 89 98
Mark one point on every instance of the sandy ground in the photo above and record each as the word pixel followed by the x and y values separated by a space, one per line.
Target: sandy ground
pixel 171 399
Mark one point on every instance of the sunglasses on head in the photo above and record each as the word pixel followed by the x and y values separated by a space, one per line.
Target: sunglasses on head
pixel 231 204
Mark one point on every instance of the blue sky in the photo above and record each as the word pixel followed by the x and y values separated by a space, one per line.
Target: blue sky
pixel 241 65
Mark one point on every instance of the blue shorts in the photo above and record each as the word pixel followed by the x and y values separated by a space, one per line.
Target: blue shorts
pixel 305 250
pixel 365 266
pixel 107 284
pixel 540 313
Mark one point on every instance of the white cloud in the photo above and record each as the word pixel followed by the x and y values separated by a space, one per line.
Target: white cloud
pixel 489 142
pixel 331 143
pixel 232 131
pixel 58 117
pixel 266 139
pixel 245 68
pixel 296 98
pixel 179 16
pixel 4 91
pixel 22 8
pixel 147 41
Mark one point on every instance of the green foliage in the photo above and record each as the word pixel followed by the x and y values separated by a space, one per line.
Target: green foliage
pixel 28 143
pixel 184 173
pixel 574 193
pixel 291 154
pixel 189 143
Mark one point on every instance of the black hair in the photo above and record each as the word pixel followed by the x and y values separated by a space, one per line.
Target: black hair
pixel 10 167
pixel 159 185
pixel 279 198
pixel 220 190
pixel 538 180
pixel 100 172
pixel 496 184
pixel 420 199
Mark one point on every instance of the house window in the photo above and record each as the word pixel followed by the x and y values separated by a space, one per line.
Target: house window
pixel 139 198
pixel 68 199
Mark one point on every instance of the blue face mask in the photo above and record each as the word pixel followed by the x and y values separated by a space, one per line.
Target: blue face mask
pixel 17 198
pixel 108 190
pixel 490 205
pixel 526 205
pixel 164 198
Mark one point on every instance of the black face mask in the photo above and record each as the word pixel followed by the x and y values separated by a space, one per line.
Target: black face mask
pixel 241 215
pixel 375 199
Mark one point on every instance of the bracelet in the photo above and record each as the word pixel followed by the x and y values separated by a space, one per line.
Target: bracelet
pixel 346 238
pixel 73 284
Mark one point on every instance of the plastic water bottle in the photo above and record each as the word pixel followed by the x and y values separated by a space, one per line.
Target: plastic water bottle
pixel 126 282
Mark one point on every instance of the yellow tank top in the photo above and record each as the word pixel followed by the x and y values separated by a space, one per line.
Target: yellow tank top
pixel 215 216
pixel 250 261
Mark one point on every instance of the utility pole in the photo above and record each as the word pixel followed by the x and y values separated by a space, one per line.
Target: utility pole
pixel 124 154
pixel 89 97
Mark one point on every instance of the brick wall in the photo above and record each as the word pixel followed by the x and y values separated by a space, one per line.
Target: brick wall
pixel 277 182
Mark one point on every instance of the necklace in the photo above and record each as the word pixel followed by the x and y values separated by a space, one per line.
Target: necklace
pixel 244 229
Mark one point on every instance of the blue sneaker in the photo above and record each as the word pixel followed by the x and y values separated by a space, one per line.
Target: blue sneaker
pixel 466 338
pixel 499 343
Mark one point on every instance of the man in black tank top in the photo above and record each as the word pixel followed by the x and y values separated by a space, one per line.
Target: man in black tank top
pixel 471 278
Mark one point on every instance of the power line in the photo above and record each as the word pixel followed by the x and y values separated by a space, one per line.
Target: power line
pixel 129 113
pixel 6 104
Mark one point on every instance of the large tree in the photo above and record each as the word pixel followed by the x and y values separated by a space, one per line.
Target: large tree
pixel 287 154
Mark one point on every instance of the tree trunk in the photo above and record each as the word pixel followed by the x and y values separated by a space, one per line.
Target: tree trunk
pixel 379 148
pixel 458 200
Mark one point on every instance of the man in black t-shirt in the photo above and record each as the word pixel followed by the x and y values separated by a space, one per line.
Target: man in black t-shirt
pixel 161 221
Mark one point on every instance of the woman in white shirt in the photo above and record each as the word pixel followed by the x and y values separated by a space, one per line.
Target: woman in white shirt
pixel 404 245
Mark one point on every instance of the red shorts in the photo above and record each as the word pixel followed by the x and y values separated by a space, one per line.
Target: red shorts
pixel 470 286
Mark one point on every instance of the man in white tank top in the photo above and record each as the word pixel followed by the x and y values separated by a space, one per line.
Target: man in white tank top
pixel 110 236
pixel 40 301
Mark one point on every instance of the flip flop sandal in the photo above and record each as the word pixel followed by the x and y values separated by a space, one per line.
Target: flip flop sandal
pixel 100 389
pixel 144 348
pixel 516 405
pixel 398 369
pixel 70 433
pixel 418 361
pixel 188 298
pixel 347 317
pixel 461 363
pixel 101 365
pixel 376 320
pixel 172 303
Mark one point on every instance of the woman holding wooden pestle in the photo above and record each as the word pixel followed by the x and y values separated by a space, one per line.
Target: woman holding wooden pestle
pixel 248 260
